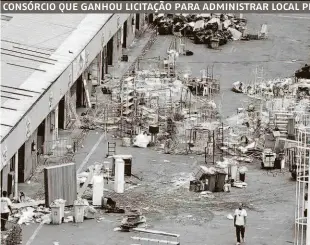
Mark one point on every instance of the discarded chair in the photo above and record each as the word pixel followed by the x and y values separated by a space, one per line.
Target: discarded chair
pixel 111 149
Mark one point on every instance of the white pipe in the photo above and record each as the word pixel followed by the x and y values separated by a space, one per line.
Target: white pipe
pixel 16 177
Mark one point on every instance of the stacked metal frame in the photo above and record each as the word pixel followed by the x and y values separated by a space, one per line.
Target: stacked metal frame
pixel 302 219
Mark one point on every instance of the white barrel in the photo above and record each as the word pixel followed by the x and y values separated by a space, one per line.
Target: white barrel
pixel 233 171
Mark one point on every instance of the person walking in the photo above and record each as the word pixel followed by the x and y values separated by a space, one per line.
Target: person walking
pixel 240 223
pixel 6 208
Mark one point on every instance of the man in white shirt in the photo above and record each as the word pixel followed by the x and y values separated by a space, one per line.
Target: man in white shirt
pixel 6 208
pixel 240 222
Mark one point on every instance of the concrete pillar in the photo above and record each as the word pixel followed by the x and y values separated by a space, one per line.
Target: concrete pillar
pixel 16 177
pixel 119 180
pixel 131 30
pixel 99 67
pixel 5 171
pixel 56 112
pixel 117 47
pixel 48 132
pixel 133 24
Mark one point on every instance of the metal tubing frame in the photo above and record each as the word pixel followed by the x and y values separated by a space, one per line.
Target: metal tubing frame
pixel 302 181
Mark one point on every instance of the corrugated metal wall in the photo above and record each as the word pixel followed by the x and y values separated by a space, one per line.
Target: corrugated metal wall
pixel 60 183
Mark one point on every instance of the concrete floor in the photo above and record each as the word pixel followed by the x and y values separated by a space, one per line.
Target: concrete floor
pixel 167 204
pixel 269 196
pixel 286 50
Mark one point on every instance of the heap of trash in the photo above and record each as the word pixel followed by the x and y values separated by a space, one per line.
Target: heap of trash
pixel 303 72
pixel 275 88
pixel 211 29
pixel 132 219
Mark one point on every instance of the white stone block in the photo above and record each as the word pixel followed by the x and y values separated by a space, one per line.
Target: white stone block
pixel 119 181
pixel 98 189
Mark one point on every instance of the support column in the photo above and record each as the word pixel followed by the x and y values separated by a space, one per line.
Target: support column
pixel 56 112
pixel 16 177
pixel 133 24
pixel 99 63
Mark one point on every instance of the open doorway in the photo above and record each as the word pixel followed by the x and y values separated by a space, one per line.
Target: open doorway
pixel 80 95
pixel 11 176
pixel 138 22
pixel 41 137
pixel 125 34
pixel 61 113
pixel 110 52
pixel 21 164
pixel 151 18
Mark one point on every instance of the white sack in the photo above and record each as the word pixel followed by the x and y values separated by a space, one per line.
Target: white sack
pixel 141 140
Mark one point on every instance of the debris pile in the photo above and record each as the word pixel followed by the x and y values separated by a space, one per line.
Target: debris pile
pixel 156 105
pixel 133 219
pixel 110 206
pixel 89 212
pixel 303 72
pixel 210 179
pixel 271 129
pixel 29 215
pixel 268 88
pixel 244 133
pixel 13 237
pixel 211 29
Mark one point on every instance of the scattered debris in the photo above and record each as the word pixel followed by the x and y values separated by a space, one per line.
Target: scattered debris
pixel 89 212
pixel 207 194
pixel 68 219
pixel 132 220
pixel 303 73
pixel 13 237
pixel 229 216
pixel 213 30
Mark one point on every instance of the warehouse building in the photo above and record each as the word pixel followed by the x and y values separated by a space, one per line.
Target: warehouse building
pixel 48 65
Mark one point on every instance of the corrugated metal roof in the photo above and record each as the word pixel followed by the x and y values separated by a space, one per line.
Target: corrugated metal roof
pixel 27 42
pixel 48 38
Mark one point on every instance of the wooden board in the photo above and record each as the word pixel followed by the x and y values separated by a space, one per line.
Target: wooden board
pixel 60 182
